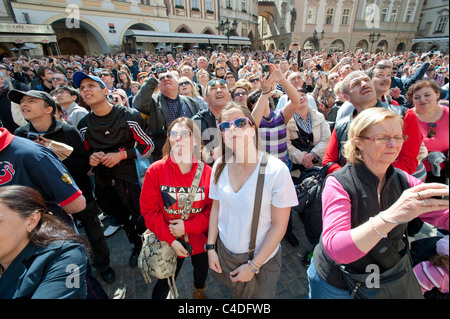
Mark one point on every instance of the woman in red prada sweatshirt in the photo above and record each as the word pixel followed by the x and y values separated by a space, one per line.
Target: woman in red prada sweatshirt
pixel 167 183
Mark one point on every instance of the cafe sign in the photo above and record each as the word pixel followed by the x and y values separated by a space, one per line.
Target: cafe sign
pixel 25 28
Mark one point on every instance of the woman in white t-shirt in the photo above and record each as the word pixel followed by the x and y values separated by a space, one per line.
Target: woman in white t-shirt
pixel 233 188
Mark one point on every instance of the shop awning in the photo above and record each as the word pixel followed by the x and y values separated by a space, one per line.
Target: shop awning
pixel 430 39
pixel 26 33
pixel 28 38
pixel 173 37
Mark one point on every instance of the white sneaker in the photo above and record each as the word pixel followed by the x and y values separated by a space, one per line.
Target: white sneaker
pixel 111 230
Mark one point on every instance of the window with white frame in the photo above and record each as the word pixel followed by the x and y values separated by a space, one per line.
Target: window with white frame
pixel 244 5
pixel 384 14
pixel 329 16
pixel 394 15
pixel 345 16
pixel 209 5
pixel 195 4
pixel 311 17
pixel 408 18
pixel 179 3
pixel 441 24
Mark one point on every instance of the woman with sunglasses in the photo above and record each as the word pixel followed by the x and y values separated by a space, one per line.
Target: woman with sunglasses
pixel 166 186
pixel 233 189
pixel 434 125
pixel 186 88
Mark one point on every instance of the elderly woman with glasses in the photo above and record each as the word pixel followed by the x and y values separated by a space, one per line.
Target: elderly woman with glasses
pixel 434 125
pixel 165 190
pixel 186 88
pixel 367 206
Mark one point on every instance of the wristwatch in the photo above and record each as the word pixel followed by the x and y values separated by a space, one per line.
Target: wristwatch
pixel 210 247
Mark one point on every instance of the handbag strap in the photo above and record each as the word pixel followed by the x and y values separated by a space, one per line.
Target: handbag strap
pixel 191 196
pixel 257 205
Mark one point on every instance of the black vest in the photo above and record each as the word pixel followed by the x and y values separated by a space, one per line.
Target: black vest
pixel 361 185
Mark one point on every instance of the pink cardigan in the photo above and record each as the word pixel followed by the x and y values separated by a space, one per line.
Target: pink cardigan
pixel 336 210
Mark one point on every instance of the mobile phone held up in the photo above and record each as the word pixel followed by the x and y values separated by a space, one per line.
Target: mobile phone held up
pixel 266 70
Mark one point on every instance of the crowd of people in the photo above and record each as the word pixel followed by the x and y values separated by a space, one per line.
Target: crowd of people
pixel 124 136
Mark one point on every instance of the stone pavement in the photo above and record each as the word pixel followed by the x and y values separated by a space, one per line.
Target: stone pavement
pixel 130 284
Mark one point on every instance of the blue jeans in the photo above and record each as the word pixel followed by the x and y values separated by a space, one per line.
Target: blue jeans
pixel 320 289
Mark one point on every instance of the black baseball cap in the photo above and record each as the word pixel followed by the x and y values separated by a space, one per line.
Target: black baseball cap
pixel 16 96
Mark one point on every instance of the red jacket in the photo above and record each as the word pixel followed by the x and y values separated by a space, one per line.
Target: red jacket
pixel 406 160
pixel 162 186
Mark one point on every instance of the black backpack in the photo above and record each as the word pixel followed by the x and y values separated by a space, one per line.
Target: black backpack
pixel 309 194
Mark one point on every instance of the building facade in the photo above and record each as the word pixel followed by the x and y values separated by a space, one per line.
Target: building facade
pixel 339 25
pixel 87 27
pixel 433 31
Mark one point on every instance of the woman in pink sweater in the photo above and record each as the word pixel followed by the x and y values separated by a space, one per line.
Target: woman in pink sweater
pixel 367 205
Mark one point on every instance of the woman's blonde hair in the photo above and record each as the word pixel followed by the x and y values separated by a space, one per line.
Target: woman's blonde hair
pixel 360 125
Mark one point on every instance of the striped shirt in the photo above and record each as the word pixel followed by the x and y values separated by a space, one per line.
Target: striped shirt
pixel 273 136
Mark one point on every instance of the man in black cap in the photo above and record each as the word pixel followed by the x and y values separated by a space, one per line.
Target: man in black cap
pixel 38 108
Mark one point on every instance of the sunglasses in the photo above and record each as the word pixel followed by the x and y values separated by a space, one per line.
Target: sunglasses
pixel 184 83
pixel 240 123
pixel 254 80
pixel 167 76
pixel 240 94
pixel 217 81
pixel 431 131
pixel 174 134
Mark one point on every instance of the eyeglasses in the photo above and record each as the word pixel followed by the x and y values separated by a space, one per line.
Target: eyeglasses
pixel 142 77
pixel 220 68
pixel 61 92
pixel 240 94
pixel 174 134
pixel 254 80
pixel 184 83
pixel 57 79
pixel 385 139
pixel 241 123
pixel 431 131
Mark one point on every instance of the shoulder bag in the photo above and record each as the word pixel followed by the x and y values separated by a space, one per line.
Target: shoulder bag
pixel 157 258
pixel 230 261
